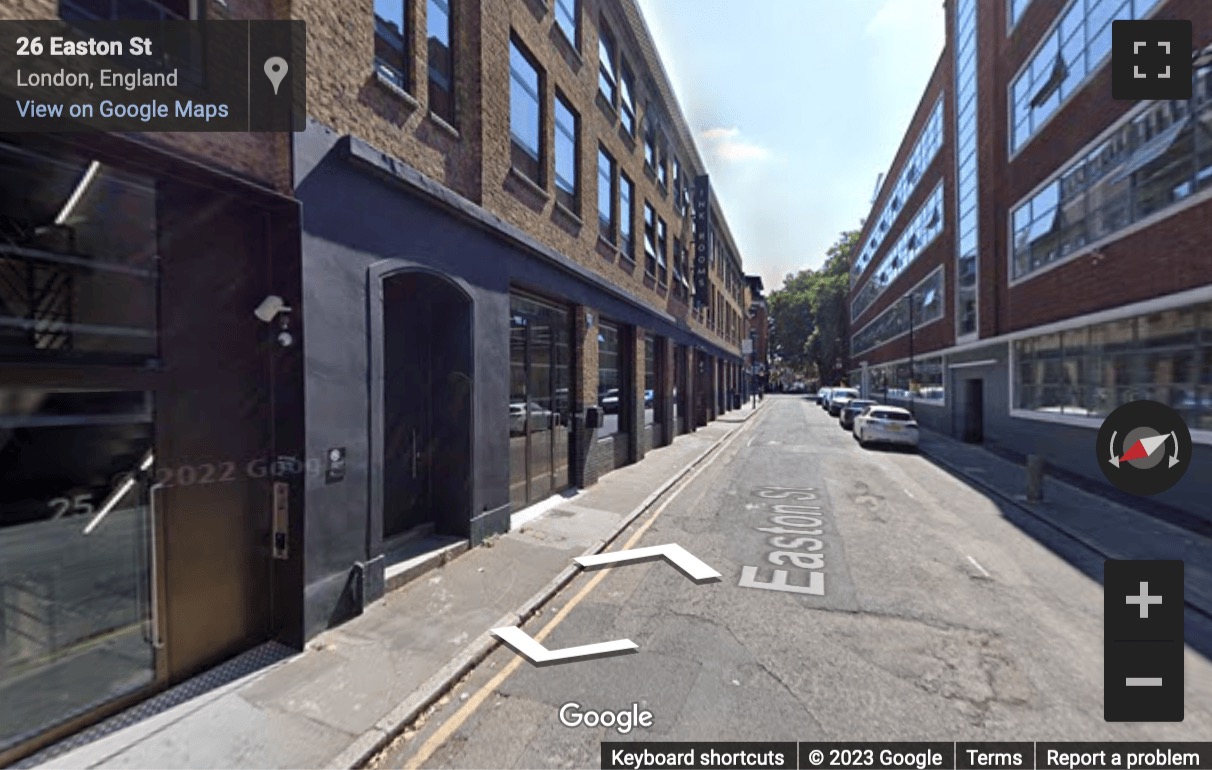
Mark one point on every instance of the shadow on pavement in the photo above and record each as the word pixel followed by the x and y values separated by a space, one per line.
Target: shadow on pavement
pixel 1088 547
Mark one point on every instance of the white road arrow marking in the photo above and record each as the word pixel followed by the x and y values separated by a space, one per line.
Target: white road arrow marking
pixel 681 559
pixel 523 644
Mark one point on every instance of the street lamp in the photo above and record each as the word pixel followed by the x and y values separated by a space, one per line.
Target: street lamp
pixel 912 372
pixel 837 365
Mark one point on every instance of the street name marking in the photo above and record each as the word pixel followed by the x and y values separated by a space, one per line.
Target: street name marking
pixel 804 522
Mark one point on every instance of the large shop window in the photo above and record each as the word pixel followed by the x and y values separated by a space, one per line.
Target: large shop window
pixel 1089 371
pixel 920 380
pixel 652 379
pixel 75 549
pixel 1152 162
pixel 540 399
pixel 78 274
pixel 612 380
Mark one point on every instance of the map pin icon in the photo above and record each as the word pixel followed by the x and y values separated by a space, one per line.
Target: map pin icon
pixel 275 70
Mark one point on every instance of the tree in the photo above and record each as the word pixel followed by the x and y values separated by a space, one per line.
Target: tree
pixel 811 332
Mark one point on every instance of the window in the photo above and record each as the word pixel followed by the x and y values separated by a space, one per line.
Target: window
pixel 679 270
pixel 650 139
pixel 1152 160
pixel 566 20
pixel 896 320
pixel 441 60
pixel 662 267
pixel 921 231
pixel 1088 371
pixel 188 59
pixel 967 189
pixel 1016 10
pixel 652 380
pixel 927 146
pixel 650 263
pixel 626 216
pixel 678 187
pixel 627 103
pixel 663 169
pixel 612 379
pixel 566 154
pixel 130 10
pixel 606 195
pixel 525 114
pixel 391 41
pixel 606 76
pixel 78 265
pixel 1072 50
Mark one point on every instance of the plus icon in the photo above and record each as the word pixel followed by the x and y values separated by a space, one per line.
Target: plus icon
pixel 1144 600
pixel 1151 59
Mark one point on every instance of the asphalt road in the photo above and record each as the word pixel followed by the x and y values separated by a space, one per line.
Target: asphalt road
pixel 939 620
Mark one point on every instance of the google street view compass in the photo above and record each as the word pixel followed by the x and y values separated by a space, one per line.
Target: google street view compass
pixel 1143 447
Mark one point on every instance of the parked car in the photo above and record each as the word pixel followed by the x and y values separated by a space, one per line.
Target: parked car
pixel 523 413
pixel 821 395
pixel 610 401
pixel 854 407
pixel 824 397
pixel 886 425
pixel 838 398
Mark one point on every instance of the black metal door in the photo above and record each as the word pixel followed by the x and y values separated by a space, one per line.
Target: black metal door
pixel 408 384
pixel 974 420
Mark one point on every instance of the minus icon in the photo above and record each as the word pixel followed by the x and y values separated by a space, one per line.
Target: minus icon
pixel 1144 681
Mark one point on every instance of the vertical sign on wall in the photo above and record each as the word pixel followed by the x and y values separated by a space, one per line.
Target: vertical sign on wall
pixel 702 239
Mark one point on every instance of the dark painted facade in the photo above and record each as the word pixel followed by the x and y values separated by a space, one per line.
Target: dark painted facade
pixel 403 223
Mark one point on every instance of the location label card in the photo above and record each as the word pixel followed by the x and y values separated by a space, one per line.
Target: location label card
pixel 152 76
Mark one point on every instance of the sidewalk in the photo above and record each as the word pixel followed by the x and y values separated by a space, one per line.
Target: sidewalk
pixel 1114 530
pixel 357 685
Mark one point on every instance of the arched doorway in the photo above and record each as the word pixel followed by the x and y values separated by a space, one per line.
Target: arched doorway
pixel 427 406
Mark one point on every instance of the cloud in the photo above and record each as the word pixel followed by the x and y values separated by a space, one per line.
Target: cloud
pixel 726 144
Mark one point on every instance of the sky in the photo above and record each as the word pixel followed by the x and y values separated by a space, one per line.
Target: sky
pixel 797 106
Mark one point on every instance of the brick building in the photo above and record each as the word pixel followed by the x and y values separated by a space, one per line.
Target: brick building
pixel 1033 258
pixel 479 256
pixel 518 258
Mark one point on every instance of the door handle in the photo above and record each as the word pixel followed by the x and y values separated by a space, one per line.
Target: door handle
pixel 157 641
pixel 415 453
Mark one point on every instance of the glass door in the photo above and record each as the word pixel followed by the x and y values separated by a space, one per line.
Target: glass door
pixel 540 400
pixel 78 614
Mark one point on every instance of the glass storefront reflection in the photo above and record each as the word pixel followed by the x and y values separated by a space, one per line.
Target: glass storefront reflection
pixel 78 276
pixel 540 400
pixel 611 398
pixel 75 539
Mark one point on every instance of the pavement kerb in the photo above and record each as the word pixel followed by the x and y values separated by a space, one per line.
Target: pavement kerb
pixel 372 741
pixel 1041 516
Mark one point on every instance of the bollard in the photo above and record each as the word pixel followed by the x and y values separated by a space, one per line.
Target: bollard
pixel 1035 479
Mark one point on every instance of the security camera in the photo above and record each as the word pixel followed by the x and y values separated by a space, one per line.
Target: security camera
pixel 270 307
